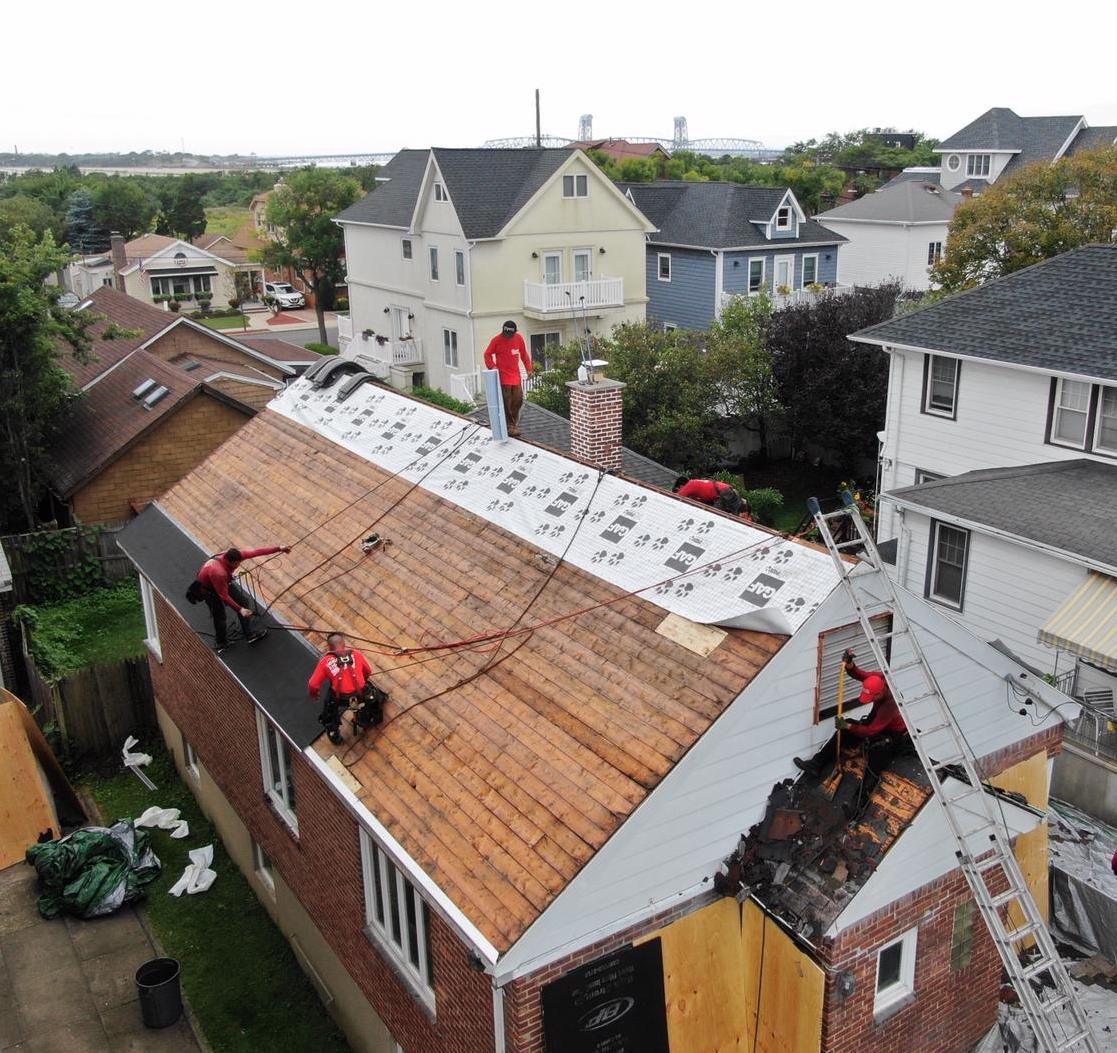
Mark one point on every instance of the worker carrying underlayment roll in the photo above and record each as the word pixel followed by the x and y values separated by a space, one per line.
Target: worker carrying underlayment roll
pixel 340 682
pixel 505 352
pixel 215 587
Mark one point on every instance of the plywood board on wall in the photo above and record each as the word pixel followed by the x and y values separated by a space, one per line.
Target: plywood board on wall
pixel 1031 778
pixel 26 807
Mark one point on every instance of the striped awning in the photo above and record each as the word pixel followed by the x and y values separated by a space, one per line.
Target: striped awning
pixel 1086 624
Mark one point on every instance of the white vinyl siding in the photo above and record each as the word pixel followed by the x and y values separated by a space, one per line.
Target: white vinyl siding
pixel 947 574
pixel 1071 413
pixel 878 252
pixel 151 621
pixel 275 763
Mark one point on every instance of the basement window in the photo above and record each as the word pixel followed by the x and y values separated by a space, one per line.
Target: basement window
pixel 275 763
pixel 190 759
pixel 262 866
pixel 895 972
pixel 397 918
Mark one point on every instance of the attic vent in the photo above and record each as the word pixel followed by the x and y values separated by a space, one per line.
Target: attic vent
pixel 157 395
pixel 143 389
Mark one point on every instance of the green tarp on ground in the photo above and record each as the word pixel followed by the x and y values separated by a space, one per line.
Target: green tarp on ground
pixel 93 871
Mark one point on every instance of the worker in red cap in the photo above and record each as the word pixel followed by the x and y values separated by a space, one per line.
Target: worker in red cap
pixel 216 588
pixel 883 731
pixel 505 352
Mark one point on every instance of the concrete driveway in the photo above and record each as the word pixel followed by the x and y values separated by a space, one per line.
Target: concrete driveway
pixel 68 986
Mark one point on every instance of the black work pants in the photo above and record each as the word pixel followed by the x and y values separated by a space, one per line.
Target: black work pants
pixel 217 610
pixel 369 711
pixel 880 752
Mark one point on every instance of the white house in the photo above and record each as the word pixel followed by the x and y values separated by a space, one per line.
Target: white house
pixel 456 241
pixel 899 232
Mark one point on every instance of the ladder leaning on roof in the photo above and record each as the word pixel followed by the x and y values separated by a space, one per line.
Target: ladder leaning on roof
pixel 980 836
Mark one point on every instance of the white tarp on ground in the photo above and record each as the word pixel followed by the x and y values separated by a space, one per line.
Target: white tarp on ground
pixel 1083 885
pixel 1013 1034
pixel 632 536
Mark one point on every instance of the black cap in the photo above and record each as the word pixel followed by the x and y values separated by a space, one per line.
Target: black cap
pixel 508 325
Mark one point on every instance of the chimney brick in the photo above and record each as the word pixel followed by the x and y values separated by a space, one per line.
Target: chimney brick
pixel 596 415
pixel 967 193
pixel 119 257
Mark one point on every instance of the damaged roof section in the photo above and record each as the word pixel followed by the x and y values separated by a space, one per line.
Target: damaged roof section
pixel 805 861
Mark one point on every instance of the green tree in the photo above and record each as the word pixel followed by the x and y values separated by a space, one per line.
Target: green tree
pixel 35 332
pixel 1039 213
pixel 82 232
pixel 21 210
pixel 184 213
pixel 302 210
pixel 121 204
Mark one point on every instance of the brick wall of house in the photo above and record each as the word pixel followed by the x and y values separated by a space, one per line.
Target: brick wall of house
pixel 186 340
pixel 180 441
pixel 322 865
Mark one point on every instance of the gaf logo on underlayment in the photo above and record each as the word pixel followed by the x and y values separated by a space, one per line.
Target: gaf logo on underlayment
pixel 429 443
pixel 514 479
pixel 608 1013
pixel 561 504
pixel 393 431
pixel 468 463
pixel 761 589
pixel 618 529
pixel 685 556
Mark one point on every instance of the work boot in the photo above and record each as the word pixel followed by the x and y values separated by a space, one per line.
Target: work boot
pixel 809 766
pixel 258 635
pixel 334 735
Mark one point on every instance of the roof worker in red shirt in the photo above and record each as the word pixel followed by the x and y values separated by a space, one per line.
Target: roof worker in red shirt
pixel 340 682
pixel 216 587
pixel 713 492
pixel 882 732
pixel 505 352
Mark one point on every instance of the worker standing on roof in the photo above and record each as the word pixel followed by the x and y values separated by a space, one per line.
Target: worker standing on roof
pixel 883 731
pixel 505 352
pixel 216 587
pixel 713 492
pixel 341 680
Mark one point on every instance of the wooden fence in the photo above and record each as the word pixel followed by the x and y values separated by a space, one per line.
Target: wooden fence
pixel 94 709
pixel 39 561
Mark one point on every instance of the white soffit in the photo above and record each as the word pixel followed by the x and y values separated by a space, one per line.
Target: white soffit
pixel 632 537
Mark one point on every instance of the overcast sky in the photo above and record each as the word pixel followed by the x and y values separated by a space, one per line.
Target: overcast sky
pixel 325 77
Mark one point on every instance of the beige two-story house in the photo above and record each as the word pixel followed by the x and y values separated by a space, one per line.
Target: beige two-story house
pixel 456 241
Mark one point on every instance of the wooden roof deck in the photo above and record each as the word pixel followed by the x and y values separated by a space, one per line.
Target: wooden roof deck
pixel 503 788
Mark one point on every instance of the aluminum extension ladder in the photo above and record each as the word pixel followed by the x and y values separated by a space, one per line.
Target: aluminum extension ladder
pixel 983 850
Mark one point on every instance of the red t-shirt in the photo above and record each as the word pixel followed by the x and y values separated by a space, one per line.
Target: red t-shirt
pixel 506 355
pixel 885 715
pixel 347 679
pixel 705 490
pixel 216 573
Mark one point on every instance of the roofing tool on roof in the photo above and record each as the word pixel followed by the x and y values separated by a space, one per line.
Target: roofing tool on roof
pixel 979 829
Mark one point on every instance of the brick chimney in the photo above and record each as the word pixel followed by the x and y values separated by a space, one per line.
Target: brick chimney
pixel 967 193
pixel 119 257
pixel 596 413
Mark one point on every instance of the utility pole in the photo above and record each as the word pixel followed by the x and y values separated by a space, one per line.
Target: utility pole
pixel 538 133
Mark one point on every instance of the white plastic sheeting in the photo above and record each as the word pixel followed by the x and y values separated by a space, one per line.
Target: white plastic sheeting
pixel 165 819
pixel 1083 885
pixel 197 877
pixel 705 567
pixel 1013 1034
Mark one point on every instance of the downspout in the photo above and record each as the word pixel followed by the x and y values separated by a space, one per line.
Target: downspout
pixel 499 1038
pixel 469 314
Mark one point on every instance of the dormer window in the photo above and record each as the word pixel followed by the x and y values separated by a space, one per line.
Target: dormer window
pixel 440 193
pixel 977 165
pixel 783 217
pixel 575 186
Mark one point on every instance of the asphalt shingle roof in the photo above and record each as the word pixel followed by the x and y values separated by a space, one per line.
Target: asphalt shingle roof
pixel 906 202
pixel 550 429
pixel 1093 139
pixel 487 187
pixel 1058 315
pixel 908 174
pixel 1065 504
pixel 1036 138
pixel 716 215
pixel 125 312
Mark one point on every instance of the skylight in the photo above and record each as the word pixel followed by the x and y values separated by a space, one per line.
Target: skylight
pixel 157 395
pixel 144 387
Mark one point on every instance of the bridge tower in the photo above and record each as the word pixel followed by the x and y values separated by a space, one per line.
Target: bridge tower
pixel 682 138
pixel 585 128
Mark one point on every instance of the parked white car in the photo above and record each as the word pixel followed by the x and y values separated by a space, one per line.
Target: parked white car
pixel 284 295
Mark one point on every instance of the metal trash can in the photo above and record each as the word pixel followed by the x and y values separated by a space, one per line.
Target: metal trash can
pixel 160 992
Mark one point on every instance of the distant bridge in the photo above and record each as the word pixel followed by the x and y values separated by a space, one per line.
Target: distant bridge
pixel 321 160
pixel 751 148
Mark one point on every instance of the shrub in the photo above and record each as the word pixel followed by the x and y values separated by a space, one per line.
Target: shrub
pixel 174 305
pixel 322 349
pixel 440 398
pixel 341 303
pixel 765 502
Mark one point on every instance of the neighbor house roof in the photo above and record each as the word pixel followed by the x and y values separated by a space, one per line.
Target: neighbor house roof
pixel 487 187
pixel 1058 315
pixel 1093 139
pixel 223 246
pixel 920 175
pixel 551 429
pixel 910 201
pixel 621 149
pixel 146 245
pixel 1030 138
pixel 717 215
pixel 1066 505
pixel 121 311
pixel 279 350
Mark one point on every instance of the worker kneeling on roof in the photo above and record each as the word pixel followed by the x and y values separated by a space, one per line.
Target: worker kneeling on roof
pixel 216 588
pixel 715 493
pixel 882 732
pixel 341 682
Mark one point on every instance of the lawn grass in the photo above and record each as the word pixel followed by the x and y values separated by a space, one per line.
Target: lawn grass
pixel 245 988
pixel 233 322
pixel 226 219
pixel 105 625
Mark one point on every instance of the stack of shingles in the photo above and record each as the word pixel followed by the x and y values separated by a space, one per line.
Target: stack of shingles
pixel 805 860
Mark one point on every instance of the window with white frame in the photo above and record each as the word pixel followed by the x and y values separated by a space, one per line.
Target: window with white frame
pixel 940 385
pixel 262 865
pixel 459 267
pixel 450 347
pixel 895 972
pixel 756 275
pixel 1071 412
pixel 440 193
pixel 669 327
pixel 189 758
pixel 783 217
pixel 810 270
pixel 543 347
pixel 583 265
pixel 1105 428
pixel 934 252
pixel 406 248
pixel 924 476
pixel 434 263
pixel 575 186
pixel 977 165
pixel 275 763
pixel 663 266
pixel 397 917
pixel 946 579
pixel 151 622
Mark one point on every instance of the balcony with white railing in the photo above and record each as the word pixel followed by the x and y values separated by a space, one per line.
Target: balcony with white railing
pixel 380 357
pixel 555 298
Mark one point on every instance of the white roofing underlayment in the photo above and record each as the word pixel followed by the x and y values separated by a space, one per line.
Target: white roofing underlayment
pixel 631 536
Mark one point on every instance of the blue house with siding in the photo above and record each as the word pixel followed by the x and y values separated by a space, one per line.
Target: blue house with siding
pixel 728 238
